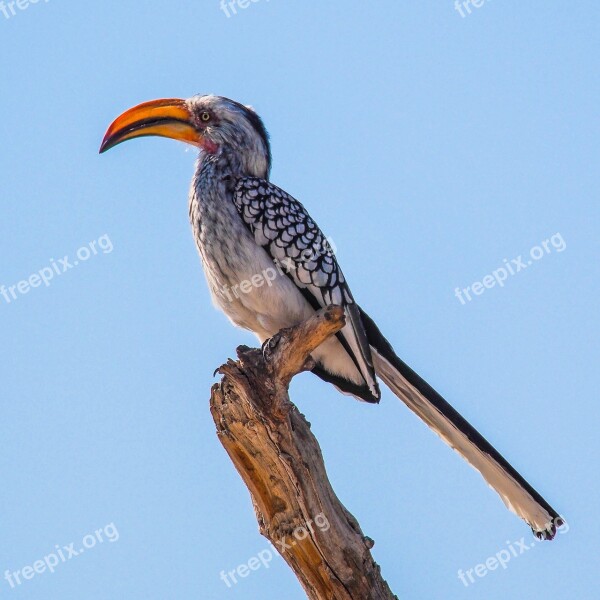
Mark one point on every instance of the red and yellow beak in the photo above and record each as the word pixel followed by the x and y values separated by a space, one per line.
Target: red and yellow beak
pixel 169 118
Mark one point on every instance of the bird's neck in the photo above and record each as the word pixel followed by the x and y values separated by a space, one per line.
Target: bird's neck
pixel 229 163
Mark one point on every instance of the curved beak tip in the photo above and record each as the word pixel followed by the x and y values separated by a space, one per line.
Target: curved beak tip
pixel 106 143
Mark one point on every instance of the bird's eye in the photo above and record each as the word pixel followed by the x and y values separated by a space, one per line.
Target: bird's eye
pixel 205 116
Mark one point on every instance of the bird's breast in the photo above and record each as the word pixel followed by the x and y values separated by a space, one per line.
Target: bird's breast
pixel 243 280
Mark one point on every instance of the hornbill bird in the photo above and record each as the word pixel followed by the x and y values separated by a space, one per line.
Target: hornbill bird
pixel 246 227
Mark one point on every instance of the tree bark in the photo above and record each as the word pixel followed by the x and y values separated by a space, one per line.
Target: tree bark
pixel 280 461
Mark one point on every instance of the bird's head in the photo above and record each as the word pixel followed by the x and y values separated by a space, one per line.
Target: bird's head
pixel 212 123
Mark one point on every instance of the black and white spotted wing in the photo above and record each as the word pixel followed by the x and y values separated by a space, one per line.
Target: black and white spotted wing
pixel 282 226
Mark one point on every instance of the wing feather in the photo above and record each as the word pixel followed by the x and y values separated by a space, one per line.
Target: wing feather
pixel 283 227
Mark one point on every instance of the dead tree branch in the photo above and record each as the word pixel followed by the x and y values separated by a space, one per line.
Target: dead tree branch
pixel 280 461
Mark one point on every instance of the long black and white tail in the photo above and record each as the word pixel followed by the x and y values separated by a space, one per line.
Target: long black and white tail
pixel 427 404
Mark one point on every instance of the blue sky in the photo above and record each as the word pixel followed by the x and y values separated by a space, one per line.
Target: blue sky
pixel 430 147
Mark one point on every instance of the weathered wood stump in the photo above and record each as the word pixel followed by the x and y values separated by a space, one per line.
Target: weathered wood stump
pixel 280 461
